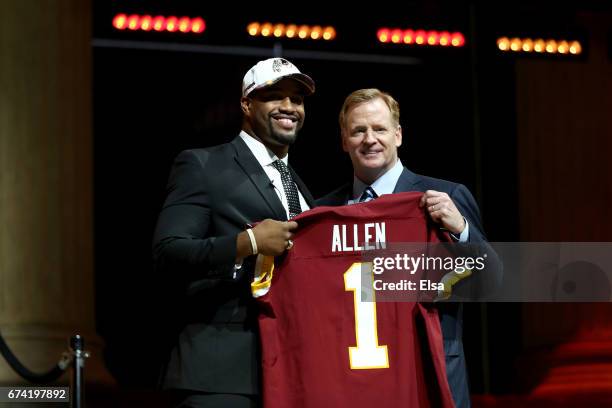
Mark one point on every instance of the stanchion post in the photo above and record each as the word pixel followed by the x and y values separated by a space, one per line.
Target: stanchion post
pixel 77 344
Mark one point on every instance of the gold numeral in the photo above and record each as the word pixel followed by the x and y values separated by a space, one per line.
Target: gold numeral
pixel 368 354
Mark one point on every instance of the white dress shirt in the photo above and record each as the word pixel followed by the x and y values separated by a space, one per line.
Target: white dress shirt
pixel 265 157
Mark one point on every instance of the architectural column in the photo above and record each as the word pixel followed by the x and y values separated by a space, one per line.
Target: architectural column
pixel 46 206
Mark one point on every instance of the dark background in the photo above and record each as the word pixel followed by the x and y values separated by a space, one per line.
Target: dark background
pixel 457 113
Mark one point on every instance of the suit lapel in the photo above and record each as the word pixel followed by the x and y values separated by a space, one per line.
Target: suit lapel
pixel 258 177
pixel 302 187
pixel 340 196
pixel 345 194
pixel 408 181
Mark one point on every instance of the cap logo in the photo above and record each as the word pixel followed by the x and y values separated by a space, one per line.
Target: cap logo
pixel 279 63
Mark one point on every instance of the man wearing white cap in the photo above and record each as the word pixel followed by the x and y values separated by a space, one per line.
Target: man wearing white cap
pixel 204 237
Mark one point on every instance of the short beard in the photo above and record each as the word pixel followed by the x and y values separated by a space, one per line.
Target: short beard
pixel 283 139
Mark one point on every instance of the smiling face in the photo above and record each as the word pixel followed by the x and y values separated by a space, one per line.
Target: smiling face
pixel 371 137
pixel 275 114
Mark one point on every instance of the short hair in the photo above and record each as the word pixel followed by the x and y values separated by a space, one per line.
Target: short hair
pixel 365 95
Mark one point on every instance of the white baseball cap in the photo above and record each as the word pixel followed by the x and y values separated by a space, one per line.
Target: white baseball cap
pixel 272 70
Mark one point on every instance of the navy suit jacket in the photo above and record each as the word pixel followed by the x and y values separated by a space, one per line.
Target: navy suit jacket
pixel 484 282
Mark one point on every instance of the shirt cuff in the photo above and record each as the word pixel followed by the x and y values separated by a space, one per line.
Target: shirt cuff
pixel 465 234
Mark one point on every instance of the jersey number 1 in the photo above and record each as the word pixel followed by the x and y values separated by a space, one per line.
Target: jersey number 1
pixel 368 354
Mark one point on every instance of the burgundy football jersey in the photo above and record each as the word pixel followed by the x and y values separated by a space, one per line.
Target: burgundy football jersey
pixel 325 346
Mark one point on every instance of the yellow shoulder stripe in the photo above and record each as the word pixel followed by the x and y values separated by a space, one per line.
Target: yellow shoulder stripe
pixel 264 271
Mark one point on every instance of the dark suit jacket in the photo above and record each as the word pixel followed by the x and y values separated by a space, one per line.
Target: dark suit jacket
pixel 212 194
pixel 450 312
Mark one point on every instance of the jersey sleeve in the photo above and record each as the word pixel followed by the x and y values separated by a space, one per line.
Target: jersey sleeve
pixel 262 278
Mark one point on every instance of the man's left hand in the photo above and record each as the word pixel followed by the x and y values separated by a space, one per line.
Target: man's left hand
pixel 443 211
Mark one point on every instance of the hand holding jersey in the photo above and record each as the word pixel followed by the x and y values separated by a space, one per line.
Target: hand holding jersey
pixel 443 211
pixel 271 238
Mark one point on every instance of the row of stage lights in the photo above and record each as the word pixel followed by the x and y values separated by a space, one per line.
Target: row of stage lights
pixel 171 24
pixel 539 45
pixel 421 37
pixel 303 32
pixel 197 25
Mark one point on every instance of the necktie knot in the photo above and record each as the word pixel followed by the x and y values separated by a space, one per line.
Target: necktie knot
pixel 280 166
pixel 367 195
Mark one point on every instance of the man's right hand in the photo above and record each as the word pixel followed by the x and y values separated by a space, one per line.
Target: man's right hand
pixel 271 236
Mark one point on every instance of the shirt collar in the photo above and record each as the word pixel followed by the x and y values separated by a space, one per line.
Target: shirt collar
pixel 385 184
pixel 264 156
